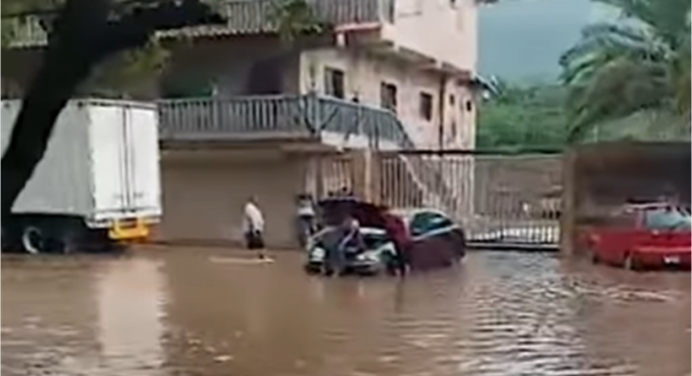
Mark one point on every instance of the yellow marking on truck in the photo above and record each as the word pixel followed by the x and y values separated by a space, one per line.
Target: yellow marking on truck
pixel 128 230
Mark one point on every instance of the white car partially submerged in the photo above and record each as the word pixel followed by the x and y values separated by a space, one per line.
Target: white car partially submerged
pixel 379 254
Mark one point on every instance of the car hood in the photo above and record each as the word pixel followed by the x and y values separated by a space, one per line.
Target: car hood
pixel 334 211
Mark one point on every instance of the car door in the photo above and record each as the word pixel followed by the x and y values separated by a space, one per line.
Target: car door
pixel 613 238
pixel 436 240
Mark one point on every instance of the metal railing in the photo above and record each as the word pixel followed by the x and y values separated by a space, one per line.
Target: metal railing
pixel 227 118
pixel 243 17
pixel 276 116
pixel 357 119
pixel 500 200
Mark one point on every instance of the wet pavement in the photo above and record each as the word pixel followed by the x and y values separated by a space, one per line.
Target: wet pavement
pixel 198 312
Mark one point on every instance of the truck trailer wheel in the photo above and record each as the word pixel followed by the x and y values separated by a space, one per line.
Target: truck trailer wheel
pixel 33 240
pixel 37 239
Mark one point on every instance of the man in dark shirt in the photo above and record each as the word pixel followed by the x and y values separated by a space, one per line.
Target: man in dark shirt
pixel 397 231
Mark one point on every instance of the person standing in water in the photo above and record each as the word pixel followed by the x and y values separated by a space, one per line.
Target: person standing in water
pixel 253 227
pixel 306 217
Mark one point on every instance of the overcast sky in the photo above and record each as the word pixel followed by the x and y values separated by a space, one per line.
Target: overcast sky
pixel 523 39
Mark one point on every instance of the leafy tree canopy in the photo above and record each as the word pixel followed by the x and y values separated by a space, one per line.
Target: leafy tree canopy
pixel 522 117
pixel 133 73
pixel 126 73
pixel 635 67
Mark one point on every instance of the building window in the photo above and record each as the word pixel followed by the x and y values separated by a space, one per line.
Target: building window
pixel 452 100
pixel 388 94
pixel 426 106
pixel 334 82
pixel 469 106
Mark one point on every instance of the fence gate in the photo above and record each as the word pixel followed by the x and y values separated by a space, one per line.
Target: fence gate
pixel 501 200
pixel 329 172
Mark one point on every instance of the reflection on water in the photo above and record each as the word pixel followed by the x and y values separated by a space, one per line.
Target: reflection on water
pixel 178 312
pixel 130 302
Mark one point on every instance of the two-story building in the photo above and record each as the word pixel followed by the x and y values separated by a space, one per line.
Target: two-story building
pixel 244 113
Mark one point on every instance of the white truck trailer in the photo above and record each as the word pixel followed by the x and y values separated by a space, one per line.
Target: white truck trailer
pixel 98 185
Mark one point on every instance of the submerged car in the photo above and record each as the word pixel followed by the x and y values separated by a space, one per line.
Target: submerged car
pixel 642 236
pixel 378 256
pixel 423 239
pixel 434 239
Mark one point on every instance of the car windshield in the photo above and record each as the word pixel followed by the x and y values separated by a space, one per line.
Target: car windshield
pixel 428 221
pixel 667 219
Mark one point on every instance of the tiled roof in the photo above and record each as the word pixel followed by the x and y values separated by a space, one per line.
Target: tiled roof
pixel 247 17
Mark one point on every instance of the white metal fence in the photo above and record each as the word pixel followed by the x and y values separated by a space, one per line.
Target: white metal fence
pixel 497 198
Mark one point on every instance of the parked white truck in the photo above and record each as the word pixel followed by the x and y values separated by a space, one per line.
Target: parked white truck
pixel 98 185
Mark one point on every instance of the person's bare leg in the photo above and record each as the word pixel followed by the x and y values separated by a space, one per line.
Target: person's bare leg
pixel 260 245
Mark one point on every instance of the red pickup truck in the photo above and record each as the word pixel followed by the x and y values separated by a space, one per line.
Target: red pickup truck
pixel 640 236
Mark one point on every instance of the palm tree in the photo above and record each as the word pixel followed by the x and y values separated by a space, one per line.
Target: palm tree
pixel 635 67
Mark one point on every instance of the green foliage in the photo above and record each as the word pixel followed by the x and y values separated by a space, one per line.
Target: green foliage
pixel 522 117
pixel 128 74
pixel 134 73
pixel 637 63
pixel 7 31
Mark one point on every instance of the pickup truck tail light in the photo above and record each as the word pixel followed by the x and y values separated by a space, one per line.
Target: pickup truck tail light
pixel 594 238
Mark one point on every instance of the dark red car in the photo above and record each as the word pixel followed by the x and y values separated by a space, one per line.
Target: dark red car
pixel 654 235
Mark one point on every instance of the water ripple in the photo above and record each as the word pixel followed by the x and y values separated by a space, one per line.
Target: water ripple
pixel 500 314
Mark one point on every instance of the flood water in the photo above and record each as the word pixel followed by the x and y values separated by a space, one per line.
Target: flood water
pixel 202 312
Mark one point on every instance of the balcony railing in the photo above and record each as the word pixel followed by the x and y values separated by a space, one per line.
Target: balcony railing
pixel 244 17
pixel 281 116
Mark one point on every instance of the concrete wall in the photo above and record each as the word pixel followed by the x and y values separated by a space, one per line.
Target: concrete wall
pixel 444 29
pixel 364 72
pixel 204 194
pixel 257 65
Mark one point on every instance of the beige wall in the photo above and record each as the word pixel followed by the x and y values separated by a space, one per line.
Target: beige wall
pixel 443 29
pixel 364 72
pixel 228 63
pixel 203 197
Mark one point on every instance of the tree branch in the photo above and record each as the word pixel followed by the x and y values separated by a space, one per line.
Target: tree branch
pixel 85 33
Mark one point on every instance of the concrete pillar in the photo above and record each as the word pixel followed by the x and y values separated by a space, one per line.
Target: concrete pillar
pixel 318 169
pixel 364 172
pixel 375 186
pixel 568 216
pixel 368 194
pixel 357 161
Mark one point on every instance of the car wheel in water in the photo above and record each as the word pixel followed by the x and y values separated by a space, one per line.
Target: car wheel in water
pixel 328 271
pixel 593 256
pixel 630 263
pixel 311 270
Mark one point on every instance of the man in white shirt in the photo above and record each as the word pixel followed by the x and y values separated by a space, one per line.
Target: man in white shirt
pixel 253 226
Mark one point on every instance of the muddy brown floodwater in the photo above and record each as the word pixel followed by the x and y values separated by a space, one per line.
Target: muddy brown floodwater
pixel 198 312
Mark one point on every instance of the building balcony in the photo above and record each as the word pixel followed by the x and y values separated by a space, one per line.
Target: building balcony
pixel 311 117
pixel 244 17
